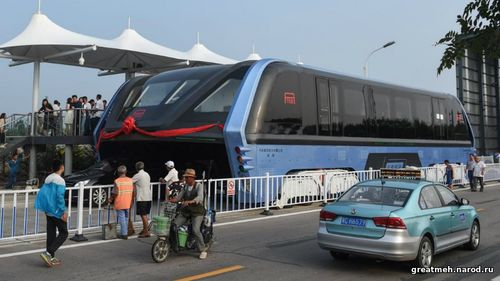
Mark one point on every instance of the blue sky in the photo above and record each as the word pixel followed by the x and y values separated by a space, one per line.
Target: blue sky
pixel 331 34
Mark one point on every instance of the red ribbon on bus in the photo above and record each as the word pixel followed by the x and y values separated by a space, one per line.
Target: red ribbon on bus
pixel 128 126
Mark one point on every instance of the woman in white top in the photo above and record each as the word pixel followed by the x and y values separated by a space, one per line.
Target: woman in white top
pixel 68 119
pixel 2 129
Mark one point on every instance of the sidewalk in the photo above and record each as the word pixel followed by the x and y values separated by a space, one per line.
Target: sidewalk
pixel 94 236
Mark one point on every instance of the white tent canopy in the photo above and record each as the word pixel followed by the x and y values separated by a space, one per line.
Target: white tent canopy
pixel 201 53
pixel 45 41
pixel 254 56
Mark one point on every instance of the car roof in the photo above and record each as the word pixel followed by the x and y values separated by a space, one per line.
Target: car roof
pixel 397 183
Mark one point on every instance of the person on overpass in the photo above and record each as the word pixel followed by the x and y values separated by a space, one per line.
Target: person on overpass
pixel 191 197
pixel 2 129
pixel 50 200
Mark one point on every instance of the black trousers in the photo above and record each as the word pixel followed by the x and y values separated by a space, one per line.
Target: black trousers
pixel 480 181
pixel 53 242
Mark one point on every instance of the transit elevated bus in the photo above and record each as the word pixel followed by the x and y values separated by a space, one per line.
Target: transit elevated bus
pixel 254 117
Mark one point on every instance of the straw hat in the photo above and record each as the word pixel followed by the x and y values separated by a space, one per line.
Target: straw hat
pixel 190 173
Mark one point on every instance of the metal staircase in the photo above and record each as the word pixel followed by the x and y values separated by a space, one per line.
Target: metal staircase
pixel 11 145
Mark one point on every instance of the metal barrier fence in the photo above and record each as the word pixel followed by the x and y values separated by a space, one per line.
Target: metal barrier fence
pixel 87 205
pixel 87 209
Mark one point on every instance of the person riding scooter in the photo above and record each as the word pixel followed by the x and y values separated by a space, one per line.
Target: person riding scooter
pixel 191 198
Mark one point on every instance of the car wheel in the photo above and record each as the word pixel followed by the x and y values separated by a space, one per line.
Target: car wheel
pixel 425 253
pixel 338 255
pixel 99 196
pixel 475 237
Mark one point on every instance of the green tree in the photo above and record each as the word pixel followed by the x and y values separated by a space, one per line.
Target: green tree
pixel 479 33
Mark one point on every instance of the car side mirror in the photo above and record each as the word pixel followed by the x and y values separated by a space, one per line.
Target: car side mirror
pixel 464 201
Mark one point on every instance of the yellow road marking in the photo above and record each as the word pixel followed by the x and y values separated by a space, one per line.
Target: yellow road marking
pixel 479 210
pixel 212 273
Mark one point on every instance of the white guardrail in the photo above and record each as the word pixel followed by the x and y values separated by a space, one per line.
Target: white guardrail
pixel 87 208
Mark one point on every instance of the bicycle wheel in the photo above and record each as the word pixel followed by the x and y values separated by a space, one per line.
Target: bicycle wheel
pixel 160 250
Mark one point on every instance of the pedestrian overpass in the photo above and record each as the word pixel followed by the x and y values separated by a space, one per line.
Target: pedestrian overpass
pixel 47 130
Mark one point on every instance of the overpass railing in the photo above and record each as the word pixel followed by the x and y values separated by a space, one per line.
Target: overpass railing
pixel 87 209
pixel 65 122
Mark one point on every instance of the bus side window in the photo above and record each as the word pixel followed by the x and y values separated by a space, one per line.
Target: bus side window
pixel 309 104
pixel 323 97
pixel 384 122
pixel 336 119
pixel 439 119
pixel 354 117
pixel 404 127
pixel 423 117
pixel 283 114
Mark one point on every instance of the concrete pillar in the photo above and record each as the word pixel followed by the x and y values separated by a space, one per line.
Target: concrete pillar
pixel 36 93
pixel 129 75
pixel 32 168
pixel 36 89
pixel 68 159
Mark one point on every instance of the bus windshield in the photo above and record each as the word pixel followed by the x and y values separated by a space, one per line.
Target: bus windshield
pixel 169 87
pixel 167 92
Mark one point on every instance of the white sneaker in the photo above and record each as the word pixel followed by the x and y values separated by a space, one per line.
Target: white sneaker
pixel 203 255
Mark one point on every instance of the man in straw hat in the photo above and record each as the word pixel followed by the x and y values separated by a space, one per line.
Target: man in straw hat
pixel 191 197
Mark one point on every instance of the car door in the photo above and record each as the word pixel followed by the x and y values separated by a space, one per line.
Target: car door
pixel 459 215
pixel 435 214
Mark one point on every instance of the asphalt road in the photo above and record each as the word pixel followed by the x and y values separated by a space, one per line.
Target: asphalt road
pixel 276 248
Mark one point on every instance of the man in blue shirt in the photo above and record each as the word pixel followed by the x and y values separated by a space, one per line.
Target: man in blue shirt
pixel 50 199
pixel 14 164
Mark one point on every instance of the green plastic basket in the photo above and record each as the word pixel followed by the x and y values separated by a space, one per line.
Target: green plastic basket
pixel 161 225
pixel 182 235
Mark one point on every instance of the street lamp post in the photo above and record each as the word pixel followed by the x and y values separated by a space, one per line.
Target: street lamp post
pixel 365 67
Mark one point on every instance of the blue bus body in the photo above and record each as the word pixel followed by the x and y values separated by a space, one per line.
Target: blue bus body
pixel 251 145
pixel 281 159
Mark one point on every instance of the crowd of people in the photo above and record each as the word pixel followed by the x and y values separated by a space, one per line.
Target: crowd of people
pixel 126 190
pixel 79 116
pixel 475 169
pixel 475 172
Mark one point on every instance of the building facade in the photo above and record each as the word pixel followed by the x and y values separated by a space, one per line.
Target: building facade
pixel 478 90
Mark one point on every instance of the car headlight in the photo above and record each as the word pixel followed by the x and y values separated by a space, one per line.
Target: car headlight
pixel 85 182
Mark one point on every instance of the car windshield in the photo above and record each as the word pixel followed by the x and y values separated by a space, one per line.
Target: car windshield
pixel 377 195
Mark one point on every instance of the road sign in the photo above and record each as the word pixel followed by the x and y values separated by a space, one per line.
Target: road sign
pixel 230 188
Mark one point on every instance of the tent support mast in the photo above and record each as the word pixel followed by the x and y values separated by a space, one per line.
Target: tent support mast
pixel 129 75
pixel 36 91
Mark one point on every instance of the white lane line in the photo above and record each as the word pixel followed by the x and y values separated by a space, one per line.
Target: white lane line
pixel 266 218
pixel 63 247
pixel 496 278
pixel 133 237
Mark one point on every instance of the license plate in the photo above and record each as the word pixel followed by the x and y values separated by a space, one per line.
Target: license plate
pixel 353 221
